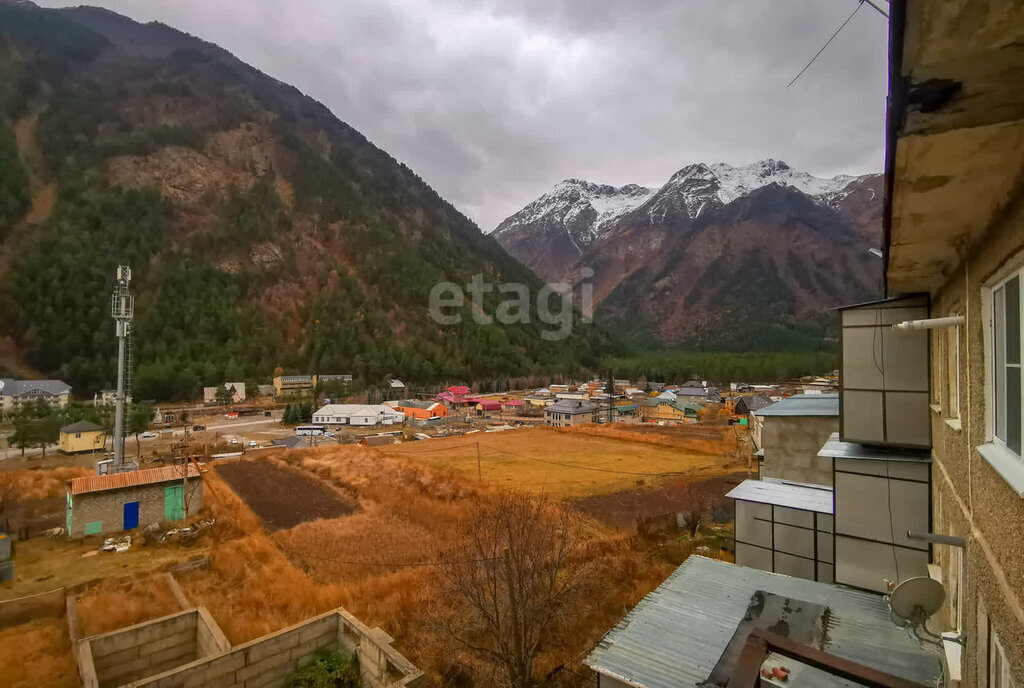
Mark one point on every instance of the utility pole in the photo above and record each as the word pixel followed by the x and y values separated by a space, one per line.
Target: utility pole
pixel 479 469
pixel 122 308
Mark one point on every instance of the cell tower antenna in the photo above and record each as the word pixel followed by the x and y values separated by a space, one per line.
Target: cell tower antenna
pixel 122 308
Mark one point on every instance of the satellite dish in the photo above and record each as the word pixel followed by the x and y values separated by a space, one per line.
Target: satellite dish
pixel 915 600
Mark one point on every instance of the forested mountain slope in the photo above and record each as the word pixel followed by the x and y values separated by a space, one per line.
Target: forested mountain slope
pixel 262 230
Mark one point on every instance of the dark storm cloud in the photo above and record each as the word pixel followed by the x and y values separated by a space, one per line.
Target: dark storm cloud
pixel 494 101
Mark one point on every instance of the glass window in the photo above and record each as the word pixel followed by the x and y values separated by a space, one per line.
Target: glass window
pixel 1006 364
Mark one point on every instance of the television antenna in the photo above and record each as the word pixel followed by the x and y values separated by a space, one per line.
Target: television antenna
pixel 913 602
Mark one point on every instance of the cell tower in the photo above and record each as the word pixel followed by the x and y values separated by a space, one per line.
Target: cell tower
pixel 122 308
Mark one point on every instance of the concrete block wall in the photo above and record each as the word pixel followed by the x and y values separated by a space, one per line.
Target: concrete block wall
pixel 107 507
pixel 272 659
pixel 128 654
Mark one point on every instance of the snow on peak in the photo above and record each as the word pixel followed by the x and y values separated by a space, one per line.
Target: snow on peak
pixel 584 208
pixel 739 181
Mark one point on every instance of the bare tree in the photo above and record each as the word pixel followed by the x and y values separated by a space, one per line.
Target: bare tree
pixel 695 504
pixel 520 569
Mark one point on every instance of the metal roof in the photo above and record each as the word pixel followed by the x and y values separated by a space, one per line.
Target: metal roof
pixel 571 406
pixel 675 635
pixel 15 388
pixel 117 481
pixel 784 494
pixel 834 448
pixel 81 426
pixel 803 405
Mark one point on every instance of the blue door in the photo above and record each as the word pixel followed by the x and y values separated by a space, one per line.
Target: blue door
pixel 131 515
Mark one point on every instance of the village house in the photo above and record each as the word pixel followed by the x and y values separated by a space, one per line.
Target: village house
pixel 234 393
pixel 293 385
pixel 81 437
pixel 420 410
pixel 794 431
pixel 105 397
pixel 396 386
pixel 663 411
pixel 568 412
pixel 745 408
pixel 357 414
pixel 101 504
pixel 487 406
pixel 15 393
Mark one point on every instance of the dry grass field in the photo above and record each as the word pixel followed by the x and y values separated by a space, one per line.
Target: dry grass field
pixel 410 505
pixel 37 654
pixel 380 561
pixel 581 461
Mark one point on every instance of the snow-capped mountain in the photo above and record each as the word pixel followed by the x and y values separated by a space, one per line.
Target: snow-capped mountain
pixel 708 227
pixel 582 208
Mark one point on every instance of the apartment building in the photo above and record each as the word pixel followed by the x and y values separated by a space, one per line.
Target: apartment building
pixel 955 234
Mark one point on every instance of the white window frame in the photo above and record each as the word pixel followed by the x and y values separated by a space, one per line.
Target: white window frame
pixel 1019 275
pixel 953 363
pixel 1006 462
pixel 998 669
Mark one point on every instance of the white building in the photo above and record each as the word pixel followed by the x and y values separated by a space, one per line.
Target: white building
pixel 14 393
pixel 357 414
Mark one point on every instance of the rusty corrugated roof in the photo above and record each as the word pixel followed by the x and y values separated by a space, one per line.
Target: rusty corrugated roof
pixel 117 481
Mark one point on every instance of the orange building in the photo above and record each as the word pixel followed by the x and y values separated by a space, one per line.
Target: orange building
pixel 422 410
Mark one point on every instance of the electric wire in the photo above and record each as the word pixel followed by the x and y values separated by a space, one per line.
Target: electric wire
pixel 817 54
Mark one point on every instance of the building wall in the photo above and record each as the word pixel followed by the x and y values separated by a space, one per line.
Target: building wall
pixel 107 507
pixel 566 420
pixel 969 498
pixel 132 653
pixel 791 445
pixel 74 442
pixel 270 660
pixel 784 540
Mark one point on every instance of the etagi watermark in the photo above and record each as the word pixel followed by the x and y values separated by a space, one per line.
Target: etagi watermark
pixel 554 304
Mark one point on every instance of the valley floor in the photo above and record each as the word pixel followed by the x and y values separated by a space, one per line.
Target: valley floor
pixel 380 521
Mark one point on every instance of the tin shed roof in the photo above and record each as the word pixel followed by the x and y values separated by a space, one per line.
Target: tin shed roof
pixel 784 494
pixel 117 481
pixel 803 405
pixel 676 635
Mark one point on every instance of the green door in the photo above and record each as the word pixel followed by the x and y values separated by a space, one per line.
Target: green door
pixel 174 503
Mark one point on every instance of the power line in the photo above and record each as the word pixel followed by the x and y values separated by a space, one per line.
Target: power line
pixel 817 54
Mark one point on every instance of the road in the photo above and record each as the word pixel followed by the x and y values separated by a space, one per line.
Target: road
pixel 229 428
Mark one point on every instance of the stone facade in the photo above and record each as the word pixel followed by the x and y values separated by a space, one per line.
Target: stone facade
pixel 107 509
pixel 970 498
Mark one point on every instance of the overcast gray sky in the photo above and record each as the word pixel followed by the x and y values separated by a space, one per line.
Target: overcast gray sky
pixel 493 102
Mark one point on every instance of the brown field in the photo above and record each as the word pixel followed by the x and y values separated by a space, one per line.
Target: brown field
pixel 380 561
pixel 578 462
pixel 37 654
pixel 110 607
pixel 406 507
pixel 280 496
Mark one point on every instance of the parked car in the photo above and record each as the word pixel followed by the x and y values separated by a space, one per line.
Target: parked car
pixel 234 441
pixel 198 428
pixel 252 444
pixel 149 435
pixel 329 434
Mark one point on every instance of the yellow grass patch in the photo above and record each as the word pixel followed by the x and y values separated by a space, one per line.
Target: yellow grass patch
pixel 37 654
pixel 581 461
pixel 111 607
pixel 29 484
